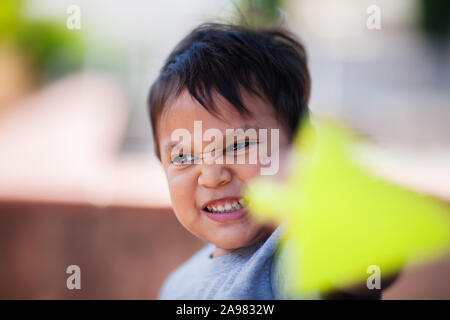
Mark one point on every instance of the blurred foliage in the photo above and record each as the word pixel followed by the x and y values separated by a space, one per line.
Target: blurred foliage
pixel 435 16
pixel 259 13
pixel 51 48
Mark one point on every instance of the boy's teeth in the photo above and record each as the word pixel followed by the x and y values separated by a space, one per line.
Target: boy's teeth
pixel 236 205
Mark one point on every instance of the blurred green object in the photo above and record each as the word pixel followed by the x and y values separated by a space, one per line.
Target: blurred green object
pixel 259 13
pixel 52 49
pixel 341 219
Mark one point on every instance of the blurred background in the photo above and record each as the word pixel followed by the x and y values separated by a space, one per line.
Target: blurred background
pixel 79 182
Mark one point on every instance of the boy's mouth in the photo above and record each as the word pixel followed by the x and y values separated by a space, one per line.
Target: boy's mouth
pixel 225 209
pixel 224 205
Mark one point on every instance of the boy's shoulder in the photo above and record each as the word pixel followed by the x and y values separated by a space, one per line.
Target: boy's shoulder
pixel 189 266
pixel 245 273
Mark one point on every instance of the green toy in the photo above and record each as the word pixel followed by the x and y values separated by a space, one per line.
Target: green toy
pixel 340 219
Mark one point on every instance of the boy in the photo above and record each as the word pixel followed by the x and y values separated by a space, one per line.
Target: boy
pixel 226 77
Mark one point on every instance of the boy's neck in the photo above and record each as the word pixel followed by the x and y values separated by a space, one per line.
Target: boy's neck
pixel 218 252
pixel 266 232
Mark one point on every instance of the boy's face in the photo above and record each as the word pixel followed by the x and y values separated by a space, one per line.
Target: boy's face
pixel 195 187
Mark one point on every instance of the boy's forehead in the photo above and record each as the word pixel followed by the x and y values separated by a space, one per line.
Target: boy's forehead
pixel 185 112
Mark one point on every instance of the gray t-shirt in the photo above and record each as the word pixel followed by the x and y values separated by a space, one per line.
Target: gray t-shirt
pixel 249 273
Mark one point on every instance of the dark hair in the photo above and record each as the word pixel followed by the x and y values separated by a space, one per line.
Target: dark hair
pixel 270 63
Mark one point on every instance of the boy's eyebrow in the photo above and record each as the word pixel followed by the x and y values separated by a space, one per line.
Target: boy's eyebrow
pixel 244 128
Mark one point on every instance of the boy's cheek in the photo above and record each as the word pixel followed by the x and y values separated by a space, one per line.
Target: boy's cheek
pixel 246 172
pixel 178 190
pixel 183 206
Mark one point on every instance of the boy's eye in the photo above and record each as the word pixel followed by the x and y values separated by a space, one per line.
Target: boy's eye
pixel 183 159
pixel 239 146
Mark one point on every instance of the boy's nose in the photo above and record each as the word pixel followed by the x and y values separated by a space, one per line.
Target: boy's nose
pixel 214 175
